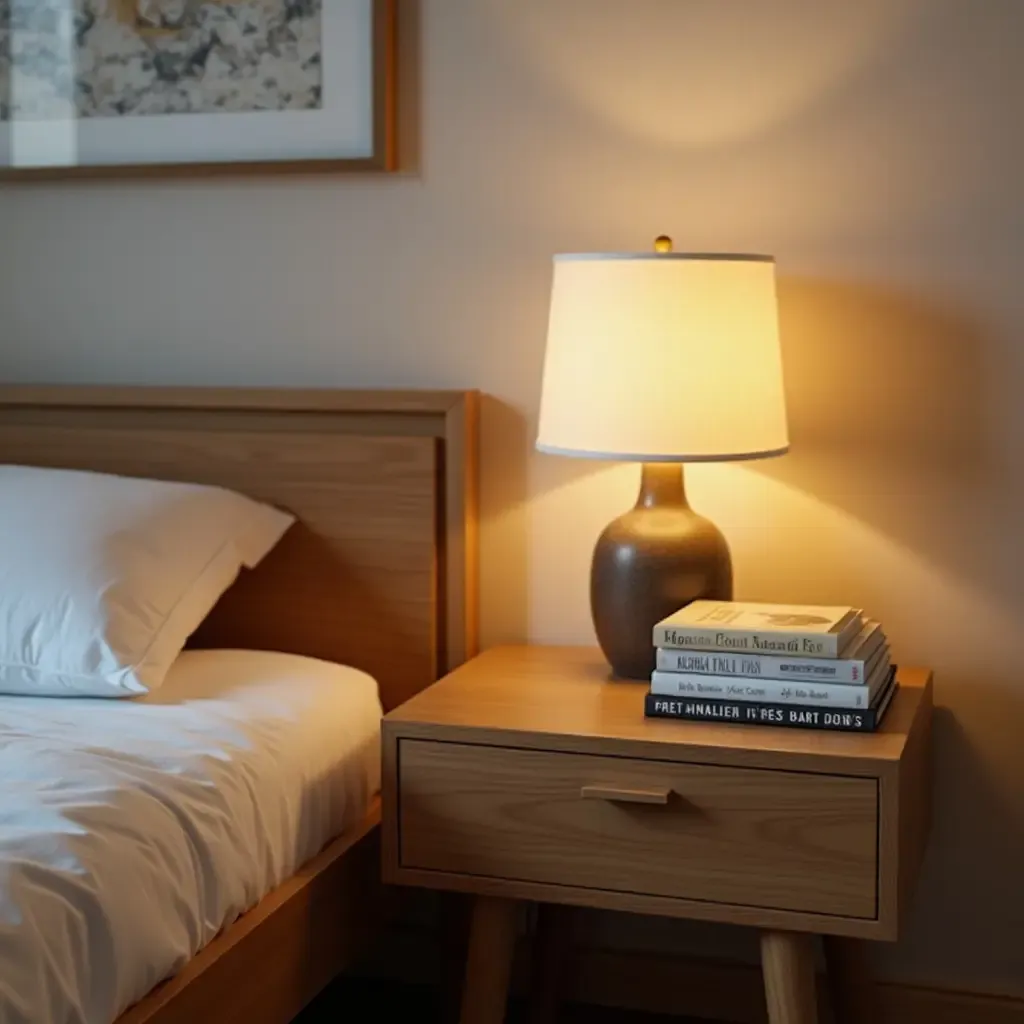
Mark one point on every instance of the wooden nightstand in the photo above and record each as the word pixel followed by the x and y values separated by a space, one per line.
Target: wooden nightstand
pixel 528 775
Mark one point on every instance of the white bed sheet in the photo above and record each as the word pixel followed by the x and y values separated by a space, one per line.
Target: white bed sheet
pixel 132 832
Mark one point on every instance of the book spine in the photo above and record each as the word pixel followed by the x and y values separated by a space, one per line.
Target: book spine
pixel 795 645
pixel 763 666
pixel 796 716
pixel 730 688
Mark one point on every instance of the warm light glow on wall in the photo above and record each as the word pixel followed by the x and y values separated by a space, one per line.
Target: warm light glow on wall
pixel 681 75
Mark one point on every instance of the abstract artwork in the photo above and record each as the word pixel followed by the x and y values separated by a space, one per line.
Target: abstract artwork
pixel 99 83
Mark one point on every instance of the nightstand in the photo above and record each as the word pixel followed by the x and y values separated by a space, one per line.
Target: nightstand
pixel 527 774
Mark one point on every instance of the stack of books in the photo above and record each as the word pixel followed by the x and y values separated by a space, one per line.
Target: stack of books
pixel 768 664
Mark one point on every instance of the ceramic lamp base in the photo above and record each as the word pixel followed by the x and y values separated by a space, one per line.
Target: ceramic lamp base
pixel 648 563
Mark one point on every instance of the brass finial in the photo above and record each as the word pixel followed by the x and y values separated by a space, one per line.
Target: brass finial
pixel 663 244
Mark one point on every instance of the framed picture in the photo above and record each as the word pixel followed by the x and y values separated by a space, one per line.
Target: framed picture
pixel 129 87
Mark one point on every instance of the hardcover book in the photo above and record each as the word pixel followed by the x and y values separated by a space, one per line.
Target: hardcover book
pixel 801 631
pixel 795 716
pixel 779 691
pixel 854 664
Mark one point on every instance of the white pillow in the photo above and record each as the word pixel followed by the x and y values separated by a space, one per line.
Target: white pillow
pixel 103 578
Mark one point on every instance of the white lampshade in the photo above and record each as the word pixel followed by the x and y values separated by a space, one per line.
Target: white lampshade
pixel 663 357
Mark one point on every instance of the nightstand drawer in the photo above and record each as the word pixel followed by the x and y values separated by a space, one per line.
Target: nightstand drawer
pixel 753 837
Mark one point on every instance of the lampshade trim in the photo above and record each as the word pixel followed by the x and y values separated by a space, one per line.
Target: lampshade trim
pixel 721 257
pixel 582 453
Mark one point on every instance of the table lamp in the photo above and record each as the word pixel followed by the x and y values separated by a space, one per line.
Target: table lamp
pixel 660 358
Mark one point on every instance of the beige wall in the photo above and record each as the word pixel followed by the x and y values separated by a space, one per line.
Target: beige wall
pixel 875 147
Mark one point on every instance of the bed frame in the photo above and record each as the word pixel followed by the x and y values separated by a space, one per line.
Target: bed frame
pixel 379 572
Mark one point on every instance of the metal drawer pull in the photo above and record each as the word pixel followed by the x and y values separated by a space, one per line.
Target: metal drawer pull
pixel 626 796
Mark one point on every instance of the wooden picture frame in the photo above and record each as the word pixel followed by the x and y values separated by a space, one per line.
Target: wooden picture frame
pixel 382 155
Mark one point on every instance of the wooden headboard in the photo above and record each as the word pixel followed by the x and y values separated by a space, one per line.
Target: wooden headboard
pixel 380 570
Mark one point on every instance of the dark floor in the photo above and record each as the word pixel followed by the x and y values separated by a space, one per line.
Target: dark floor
pixel 354 1001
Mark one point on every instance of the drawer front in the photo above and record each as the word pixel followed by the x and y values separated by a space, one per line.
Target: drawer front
pixel 752 837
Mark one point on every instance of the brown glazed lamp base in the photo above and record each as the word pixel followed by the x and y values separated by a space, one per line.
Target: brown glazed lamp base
pixel 648 563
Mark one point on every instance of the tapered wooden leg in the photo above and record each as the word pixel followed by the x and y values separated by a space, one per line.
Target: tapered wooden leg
pixel 492 940
pixel 851 988
pixel 456 910
pixel 787 961
pixel 552 952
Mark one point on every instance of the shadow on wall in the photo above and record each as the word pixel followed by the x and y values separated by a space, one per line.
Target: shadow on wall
pixel 888 422
pixel 963 915
pixel 874 370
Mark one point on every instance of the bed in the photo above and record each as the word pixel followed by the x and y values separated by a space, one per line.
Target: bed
pixel 378 574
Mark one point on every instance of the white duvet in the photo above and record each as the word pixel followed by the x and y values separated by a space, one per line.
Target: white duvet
pixel 131 832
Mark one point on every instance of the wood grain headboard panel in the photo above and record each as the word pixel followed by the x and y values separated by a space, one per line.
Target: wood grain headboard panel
pixel 380 570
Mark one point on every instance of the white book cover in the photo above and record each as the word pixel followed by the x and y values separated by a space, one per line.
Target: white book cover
pixel 773 691
pixel 852 667
pixel 797 630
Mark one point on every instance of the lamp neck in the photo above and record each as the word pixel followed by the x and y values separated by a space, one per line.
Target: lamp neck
pixel 661 486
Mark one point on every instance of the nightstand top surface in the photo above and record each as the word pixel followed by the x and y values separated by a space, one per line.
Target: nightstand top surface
pixel 563 698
